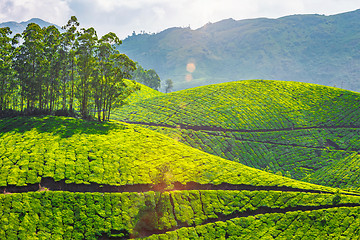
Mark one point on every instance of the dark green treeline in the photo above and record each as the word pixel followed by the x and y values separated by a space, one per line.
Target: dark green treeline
pixel 70 71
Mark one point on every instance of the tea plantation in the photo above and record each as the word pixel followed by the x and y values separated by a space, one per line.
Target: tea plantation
pixel 295 129
pixel 144 92
pixel 66 178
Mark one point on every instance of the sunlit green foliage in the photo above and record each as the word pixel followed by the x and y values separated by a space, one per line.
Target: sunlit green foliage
pixel 145 92
pixel 343 173
pixel 291 128
pixel 300 152
pixel 251 105
pixel 120 154
pixel 66 215
pixel 335 223
pixel 47 70
pixel 113 153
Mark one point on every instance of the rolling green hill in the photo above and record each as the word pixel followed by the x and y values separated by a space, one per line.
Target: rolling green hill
pixel 306 48
pixel 295 129
pixel 144 93
pixel 65 178
pixel 116 154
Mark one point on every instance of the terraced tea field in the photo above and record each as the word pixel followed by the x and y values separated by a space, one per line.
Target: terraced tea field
pixel 294 129
pixel 66 178
pixel 145 92
pixel 117 154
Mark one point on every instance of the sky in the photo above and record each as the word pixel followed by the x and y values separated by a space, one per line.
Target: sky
pixel 125 16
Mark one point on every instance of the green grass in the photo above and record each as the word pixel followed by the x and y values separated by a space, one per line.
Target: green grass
pixel 289 128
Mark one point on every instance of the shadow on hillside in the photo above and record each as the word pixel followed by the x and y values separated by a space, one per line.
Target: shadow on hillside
pixel 61 126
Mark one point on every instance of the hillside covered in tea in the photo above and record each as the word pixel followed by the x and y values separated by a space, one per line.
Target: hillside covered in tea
pixel 295 129
pixel 73 179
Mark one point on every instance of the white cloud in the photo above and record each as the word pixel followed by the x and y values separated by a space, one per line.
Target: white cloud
pixel 55 11
pixel 125 16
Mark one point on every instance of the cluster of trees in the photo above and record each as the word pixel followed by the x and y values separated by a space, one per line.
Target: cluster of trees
pixel 71 71
pixel 147 77
pixel 151 79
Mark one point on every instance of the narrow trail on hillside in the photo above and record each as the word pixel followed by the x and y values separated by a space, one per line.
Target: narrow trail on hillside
pixel 49 184
pixel 261 210
pixel 220 129
pixel 52 185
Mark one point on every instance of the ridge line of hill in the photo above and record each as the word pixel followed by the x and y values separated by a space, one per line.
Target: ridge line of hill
pixel 220 129
pixel 52 185
pixel 260 210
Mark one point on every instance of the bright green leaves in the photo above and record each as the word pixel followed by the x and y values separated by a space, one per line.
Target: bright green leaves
pixel 63 73
pixel 6 69
pixel 251 105
pixel 66 215
pixel 293 129
pixel 290 225
pixel 114 154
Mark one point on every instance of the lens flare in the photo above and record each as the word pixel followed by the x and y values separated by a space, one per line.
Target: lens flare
pixel 188 77
pixel 190 67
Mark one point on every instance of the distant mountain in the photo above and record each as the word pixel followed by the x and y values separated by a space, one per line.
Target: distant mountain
pixel 20 27
pixel 307 48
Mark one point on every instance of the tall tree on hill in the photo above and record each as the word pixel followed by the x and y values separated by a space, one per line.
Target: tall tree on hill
pixel 117 90
pixel 168 85
pixel 53 68
pixel 108 84
pixel 147 77
pixel 29 63
pixel 52 65
pixel 6 71
pixel 86 62
pixel 152 79
pixel 68 48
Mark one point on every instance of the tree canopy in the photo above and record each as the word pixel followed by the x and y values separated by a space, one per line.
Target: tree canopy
pixel 147 77
pixel 68 72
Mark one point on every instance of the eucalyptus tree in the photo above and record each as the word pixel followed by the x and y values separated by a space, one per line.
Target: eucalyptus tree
pixel 152 79
pixel 117 90
pixel 147 77
pixel 29 61
pixel 86 63
pixel 113 67
pixel 53 68
pixel 68 55
pixel 51 65
pixel 168 85
pixel 6 71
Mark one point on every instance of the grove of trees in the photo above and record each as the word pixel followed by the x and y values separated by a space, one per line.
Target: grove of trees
pixel 147 77
pixel 168 85
pixel 68 71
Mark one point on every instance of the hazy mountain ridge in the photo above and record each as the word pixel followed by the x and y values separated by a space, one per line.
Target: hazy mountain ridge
pixel 19 27
pixel 308 48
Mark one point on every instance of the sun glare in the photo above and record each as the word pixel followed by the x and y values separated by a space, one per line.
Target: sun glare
pixel 188 77
pixel 190 67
